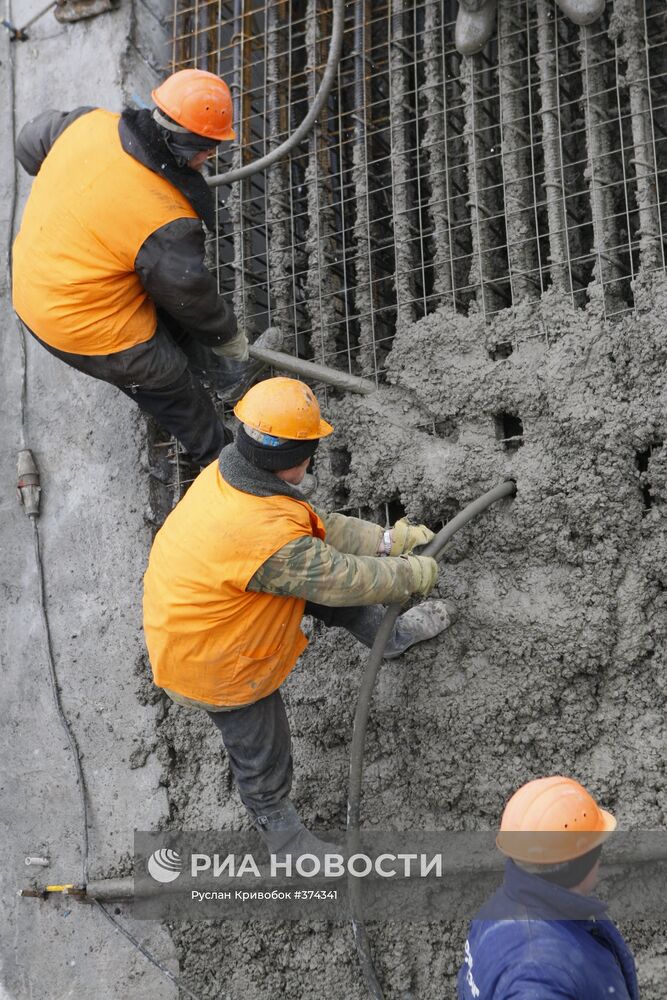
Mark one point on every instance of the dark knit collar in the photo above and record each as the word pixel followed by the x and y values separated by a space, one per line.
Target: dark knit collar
pixel 242 475
pixel 140 137
pixel 545 901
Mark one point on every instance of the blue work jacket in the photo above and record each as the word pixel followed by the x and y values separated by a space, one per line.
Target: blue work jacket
pixel 514 953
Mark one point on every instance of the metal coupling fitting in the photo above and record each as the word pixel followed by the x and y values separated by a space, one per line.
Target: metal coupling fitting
pixel 28 483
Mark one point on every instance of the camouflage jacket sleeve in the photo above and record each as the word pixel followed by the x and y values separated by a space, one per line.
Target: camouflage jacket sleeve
pixel 351 534
pixel 310 568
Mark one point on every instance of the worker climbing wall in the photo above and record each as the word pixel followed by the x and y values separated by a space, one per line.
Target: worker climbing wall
pixel 481 235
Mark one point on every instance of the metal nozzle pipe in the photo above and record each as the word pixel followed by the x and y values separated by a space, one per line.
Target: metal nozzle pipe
pixel 312 371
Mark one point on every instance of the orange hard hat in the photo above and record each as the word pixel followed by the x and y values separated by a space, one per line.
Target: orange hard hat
pixel 284 408
pixel 552 820
pixel 199 101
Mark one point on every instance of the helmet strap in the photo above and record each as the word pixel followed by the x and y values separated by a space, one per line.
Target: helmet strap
pixel 168 123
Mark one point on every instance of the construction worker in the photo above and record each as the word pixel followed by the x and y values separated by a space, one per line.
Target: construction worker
pixel 543 934
pixel 234 568
pixel 108 266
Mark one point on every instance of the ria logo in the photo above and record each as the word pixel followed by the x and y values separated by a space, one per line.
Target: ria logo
pixel 165 865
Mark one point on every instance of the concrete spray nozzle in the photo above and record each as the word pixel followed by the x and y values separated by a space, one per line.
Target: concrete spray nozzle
pixel 28 483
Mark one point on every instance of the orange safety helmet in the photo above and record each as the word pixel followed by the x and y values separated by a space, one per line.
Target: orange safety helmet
pixel 284 408
pixel 552 820
pixel 198 101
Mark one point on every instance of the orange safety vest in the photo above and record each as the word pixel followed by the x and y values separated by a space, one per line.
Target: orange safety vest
pixel 209 639
pixel 91 208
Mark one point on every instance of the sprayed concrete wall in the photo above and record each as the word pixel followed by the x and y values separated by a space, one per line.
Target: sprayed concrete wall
pixel 557 664
pixel 484 237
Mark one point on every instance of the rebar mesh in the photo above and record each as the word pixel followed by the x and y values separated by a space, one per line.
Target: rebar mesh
pixel 431 178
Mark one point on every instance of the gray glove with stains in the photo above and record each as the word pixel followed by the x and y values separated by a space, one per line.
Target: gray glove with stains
pixel 235 349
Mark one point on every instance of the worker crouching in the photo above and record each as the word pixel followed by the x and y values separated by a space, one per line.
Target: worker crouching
pixel 543 934
pixel 234 568
pixel 108 266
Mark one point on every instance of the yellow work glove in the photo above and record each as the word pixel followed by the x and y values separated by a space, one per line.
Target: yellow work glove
pixel 235 349
pixel 405 537
pixel 424 574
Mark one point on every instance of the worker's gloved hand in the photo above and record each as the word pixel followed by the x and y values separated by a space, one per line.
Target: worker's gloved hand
pixel 424 573
pixel 405 537
pixel 235 349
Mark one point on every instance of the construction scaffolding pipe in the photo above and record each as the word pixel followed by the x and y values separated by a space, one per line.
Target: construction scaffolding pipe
pixel 433 549
pixel 331 68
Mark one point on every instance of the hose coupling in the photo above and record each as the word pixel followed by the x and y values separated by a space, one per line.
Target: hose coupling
pixel 28 488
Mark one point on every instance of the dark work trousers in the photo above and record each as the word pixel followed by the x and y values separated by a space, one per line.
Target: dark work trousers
pixel 157 376
pixel 257 737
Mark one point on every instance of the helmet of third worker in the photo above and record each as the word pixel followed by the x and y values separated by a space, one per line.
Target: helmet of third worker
pixel 551 821
pixel 285 408
pixel 197 101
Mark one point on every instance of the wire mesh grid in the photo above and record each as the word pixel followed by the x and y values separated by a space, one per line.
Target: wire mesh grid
pixel 430 178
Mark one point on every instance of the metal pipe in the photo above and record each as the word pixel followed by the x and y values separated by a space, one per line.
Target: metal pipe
pixel 433 549
pixel 363 293
pixel 315 372
pixel 400 113
pixel 323 288
pixel 114 889
pixel 551 146
pixel 475 183
pixel 608 270
pixel 304 128
pixel 637 80
pixel 237 200
pixel 437 153
pixel 279 263
pixel 515 170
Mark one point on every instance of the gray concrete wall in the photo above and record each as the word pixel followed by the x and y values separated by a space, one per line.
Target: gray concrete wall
pixel 90 445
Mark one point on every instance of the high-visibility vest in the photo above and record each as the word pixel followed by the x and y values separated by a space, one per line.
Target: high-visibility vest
pixel 91 208
pixel 209 639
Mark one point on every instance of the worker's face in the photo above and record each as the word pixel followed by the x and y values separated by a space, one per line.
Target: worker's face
pixel 198 161
pixel 295 475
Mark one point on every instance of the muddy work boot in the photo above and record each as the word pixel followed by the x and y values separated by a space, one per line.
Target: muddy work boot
pixel 424 621
pixel 285 835
pixel 475 22
pixel 582 11
pixel 231 379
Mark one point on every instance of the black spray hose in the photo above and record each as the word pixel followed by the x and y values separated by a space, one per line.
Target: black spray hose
pixel 304 128
pixel 433 549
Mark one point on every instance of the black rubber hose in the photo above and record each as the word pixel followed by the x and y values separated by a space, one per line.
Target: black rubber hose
pixel 304 128
pixel 433 549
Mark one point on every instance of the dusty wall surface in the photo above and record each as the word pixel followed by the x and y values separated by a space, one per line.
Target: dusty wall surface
pixel 90 447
